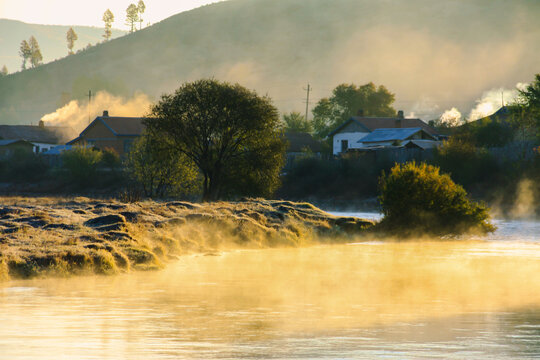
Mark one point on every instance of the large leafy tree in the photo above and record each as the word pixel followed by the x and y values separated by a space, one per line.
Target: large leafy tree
pixel 25 52
pixel 346 101
pixel 35 58
pixel 108 19
pixel 4 71
pixel 71 37
pixel 296 122
pixel 132 16
pixel 154 164
pixel 230 133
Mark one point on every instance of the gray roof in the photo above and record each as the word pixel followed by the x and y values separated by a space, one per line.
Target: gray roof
pixel 9 142
pixel 373 123
pixel 380 135
pixel 38 134
pixel 423 144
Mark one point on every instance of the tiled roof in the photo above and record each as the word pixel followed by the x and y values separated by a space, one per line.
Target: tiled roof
pixel 124 125
pixel 423 144
pixel 379 135
pixel 372 123
pixel 9 142
pixel 39 134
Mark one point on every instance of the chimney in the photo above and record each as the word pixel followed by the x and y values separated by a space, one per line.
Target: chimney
pixel 105 113
pixel 41 124
pixel 400 114
pixel 360 112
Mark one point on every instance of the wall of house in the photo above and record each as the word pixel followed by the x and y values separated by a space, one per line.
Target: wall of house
pixel 351 137
pixel 41 147
pixel 102 138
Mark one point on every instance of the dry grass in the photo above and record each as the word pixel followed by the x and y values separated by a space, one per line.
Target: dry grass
pixel 65 236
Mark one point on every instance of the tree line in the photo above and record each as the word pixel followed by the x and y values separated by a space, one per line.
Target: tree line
pixel 30 51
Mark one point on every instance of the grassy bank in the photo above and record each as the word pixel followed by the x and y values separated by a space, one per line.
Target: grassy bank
pixel 65 236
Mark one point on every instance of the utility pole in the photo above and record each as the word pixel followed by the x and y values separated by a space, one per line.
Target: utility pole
pixel 502 98
pixel 89 103
pixel 307 100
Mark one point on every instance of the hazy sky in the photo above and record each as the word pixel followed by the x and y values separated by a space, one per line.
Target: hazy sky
pixel 90 12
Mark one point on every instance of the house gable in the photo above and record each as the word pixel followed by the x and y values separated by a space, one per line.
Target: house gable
pixel 97 129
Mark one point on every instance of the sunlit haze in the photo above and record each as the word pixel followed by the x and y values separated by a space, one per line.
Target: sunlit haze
pixel 69 12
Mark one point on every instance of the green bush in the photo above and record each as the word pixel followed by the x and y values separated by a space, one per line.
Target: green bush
pixel 466 164
pixel 417 199
pixel 23 166
pixel 81 164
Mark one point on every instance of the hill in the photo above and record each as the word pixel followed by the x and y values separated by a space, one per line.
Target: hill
pixel 51 39
pixel 433 55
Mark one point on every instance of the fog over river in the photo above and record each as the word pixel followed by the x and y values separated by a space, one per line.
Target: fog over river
pixel 470 299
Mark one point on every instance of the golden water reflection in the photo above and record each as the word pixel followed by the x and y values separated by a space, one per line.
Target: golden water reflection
pixel 328 301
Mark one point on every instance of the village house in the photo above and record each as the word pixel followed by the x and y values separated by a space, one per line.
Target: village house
pixel 111 132
pixel 41 137
pixel 349 135
pixel 118 133
pixel 398 137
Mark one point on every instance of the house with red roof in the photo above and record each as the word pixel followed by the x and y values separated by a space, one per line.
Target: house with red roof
pixel 112 132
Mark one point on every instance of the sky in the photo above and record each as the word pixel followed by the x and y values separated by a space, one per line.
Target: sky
pixel 90 12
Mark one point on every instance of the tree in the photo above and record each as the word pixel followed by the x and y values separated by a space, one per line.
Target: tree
pixel 35 57
pixel 158 168
pixel 108 19
pixel 71 37
pixel 346 101
pixel 141 7
pixel 529 104
pixel 296 122
pixel 81 164
pixel 4 71
pixel 132 16
pixel 229 132
pixel 416 199
pixel 25 52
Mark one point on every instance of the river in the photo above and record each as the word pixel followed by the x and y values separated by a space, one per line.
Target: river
pixel 472 299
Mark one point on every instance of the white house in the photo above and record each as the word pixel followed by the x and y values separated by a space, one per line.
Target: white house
pixel 349 135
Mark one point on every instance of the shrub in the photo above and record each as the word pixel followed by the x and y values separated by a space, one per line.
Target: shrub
pixel 110 159
pixel 81 164
pixel 416 198
pixel 466 164
pixel 23 166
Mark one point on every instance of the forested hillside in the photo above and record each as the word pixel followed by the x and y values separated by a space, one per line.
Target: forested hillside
pixel 433 55
pixel 51 39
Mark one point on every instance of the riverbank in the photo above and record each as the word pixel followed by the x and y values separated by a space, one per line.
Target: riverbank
pixel 61 236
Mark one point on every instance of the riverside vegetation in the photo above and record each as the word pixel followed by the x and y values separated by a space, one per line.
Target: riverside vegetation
pixel 58 237
pixel 46 236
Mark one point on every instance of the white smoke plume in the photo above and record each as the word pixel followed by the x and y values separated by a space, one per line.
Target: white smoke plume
pixel 492 100
pixel 451 118
pixel 75 114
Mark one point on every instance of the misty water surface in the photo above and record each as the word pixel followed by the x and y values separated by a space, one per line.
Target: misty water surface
pixel 469 299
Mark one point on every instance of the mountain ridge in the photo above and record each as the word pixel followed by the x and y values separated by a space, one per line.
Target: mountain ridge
pixel 432 55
